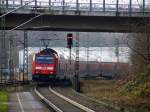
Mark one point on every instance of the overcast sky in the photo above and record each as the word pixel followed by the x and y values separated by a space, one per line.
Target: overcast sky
pixel 104 54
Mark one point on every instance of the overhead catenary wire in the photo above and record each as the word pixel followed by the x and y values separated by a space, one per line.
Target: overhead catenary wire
pixel 2 17
pixel 25 22
pixel 3 44
pixel 16 8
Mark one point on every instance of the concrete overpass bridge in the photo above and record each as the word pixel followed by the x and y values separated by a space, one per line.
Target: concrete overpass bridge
pixel 102 16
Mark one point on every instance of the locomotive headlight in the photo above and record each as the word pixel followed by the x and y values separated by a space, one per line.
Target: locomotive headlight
pixel 50 68
pixel 38 68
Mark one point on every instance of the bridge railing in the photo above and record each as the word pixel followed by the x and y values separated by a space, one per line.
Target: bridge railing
pixel 61 6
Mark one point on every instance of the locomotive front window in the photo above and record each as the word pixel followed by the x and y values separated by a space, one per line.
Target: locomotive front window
pixel 44 60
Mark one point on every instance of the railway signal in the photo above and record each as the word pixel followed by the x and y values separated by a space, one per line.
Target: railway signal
pixel 70 43
pixel 69 40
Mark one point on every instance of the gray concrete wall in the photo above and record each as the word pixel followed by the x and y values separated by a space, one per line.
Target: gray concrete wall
pixel 76 23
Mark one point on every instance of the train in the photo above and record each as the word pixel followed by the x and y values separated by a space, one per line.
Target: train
pixel 48 65
pixel 95 69
pixel 45 65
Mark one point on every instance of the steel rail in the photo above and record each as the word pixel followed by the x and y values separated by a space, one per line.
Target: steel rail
pixel 84 108
pixel 54 107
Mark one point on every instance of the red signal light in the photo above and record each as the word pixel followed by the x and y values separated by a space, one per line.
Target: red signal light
pixel 69 40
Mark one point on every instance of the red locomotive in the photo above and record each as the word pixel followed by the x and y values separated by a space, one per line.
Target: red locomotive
pixel 45 65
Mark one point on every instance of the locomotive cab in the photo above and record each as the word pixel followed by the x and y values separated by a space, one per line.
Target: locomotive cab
pixel 44 65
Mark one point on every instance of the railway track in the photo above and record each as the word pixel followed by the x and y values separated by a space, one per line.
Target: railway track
pixel 98 106
pixel 58 102
pixel 15 82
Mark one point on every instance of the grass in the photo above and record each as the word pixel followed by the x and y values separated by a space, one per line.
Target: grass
pixel 3 101
pixel 109 92
pixel 138 97
pixel 100 89
pixel 136 92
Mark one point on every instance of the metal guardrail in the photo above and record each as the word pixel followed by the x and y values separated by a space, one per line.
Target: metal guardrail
pixel 73 6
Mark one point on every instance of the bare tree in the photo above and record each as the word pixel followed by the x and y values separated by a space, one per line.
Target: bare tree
pixel 139 43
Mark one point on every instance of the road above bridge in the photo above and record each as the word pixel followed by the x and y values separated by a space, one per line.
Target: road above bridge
pixel 49 22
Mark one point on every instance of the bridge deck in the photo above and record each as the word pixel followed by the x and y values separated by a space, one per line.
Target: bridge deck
pixel 72 8
pixel 73 16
